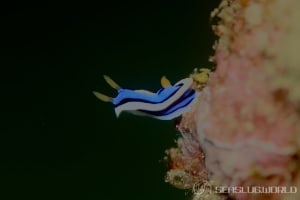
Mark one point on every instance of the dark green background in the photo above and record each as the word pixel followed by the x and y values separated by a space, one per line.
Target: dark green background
pixel 57 140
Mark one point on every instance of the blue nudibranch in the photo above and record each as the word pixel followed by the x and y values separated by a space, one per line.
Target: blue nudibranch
pixel 167 103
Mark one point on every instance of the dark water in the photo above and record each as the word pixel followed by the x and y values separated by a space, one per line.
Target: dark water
pixel 57 140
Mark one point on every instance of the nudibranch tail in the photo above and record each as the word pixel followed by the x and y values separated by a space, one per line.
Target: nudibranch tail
pixel 200 78
pixel 111 82
pixel 165 82
pixel 103 97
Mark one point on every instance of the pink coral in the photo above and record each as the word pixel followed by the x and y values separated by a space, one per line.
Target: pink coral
pixel 246 120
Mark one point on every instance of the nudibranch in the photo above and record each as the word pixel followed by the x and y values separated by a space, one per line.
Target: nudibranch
pixel 167 103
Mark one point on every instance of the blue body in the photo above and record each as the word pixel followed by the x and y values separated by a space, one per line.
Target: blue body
pixel 169 102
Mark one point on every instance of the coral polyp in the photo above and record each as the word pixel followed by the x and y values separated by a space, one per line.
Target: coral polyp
pixel 243 130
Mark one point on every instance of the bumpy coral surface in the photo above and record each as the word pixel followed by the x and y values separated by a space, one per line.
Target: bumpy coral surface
pixel 244 129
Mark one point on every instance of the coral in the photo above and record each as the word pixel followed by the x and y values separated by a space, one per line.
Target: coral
pixel 244 128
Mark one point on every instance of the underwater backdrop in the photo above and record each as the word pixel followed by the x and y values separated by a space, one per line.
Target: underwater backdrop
pixel 57 140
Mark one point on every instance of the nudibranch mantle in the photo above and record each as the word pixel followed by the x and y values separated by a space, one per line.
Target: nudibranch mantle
pixel 167 103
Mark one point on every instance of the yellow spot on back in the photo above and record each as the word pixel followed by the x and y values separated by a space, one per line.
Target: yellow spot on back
pixel 165 82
